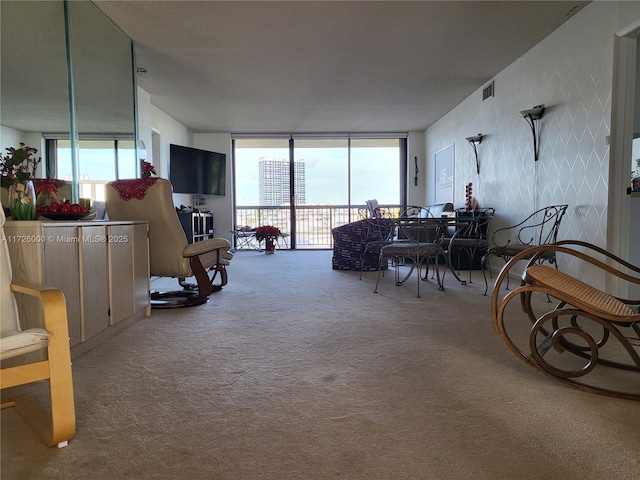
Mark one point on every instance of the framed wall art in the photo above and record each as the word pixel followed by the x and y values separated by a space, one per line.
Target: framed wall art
pixel 444 175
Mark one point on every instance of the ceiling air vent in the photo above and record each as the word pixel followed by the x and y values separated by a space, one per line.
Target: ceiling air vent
pixel 487 92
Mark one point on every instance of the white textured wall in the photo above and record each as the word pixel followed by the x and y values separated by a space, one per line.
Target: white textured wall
pixel 570 72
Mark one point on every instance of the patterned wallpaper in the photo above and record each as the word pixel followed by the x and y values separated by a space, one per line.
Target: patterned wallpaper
pixel 570 72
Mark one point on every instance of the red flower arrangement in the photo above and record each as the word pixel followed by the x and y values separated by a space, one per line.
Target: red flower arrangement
pixel 267 233
pixel 146 169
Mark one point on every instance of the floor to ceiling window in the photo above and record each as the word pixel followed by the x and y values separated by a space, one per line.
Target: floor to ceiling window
pixel 100 161
pixel 330 177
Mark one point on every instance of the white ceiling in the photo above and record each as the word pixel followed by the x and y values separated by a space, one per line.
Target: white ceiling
pixel 325 66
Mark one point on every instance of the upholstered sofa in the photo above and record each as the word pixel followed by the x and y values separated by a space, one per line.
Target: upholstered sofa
pixel 349 243
pixel 349 240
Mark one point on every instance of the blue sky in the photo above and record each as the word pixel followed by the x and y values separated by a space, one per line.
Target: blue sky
pixel 375 174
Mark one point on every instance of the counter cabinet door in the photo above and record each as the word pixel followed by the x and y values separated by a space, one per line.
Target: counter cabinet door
pixel 128 270
pixel 94 291
pixel 62 270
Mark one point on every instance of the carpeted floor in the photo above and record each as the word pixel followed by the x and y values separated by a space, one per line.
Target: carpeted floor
pixel 296 371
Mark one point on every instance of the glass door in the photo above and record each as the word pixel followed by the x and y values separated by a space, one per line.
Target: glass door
pixel 330 178
pixel 322 173
pixel 261 176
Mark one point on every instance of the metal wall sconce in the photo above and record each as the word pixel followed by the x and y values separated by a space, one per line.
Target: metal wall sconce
pixel 474 141
pixel 532 117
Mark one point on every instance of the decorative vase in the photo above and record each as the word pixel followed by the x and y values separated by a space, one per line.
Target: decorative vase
pixel 269 246
pixel 22 201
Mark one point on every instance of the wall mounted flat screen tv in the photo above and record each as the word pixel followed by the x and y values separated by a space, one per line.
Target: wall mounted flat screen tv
pixel 195 171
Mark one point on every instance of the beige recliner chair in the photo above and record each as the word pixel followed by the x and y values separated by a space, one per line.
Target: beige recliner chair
pixel 170 255
pixel 57 424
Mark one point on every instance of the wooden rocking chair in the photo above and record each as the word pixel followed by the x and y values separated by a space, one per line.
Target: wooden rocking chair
pixel 587 338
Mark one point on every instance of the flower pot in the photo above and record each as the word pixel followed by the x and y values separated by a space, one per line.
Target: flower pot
pixel 22 201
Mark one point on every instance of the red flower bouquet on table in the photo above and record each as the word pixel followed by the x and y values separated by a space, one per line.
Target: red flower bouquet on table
pixel 269 234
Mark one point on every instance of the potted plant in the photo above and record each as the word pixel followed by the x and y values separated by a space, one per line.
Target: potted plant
pixel 17 169
pixel 269 234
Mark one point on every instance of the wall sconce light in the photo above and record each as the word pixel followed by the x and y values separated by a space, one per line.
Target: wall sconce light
pixel 532 117
pixel 473 141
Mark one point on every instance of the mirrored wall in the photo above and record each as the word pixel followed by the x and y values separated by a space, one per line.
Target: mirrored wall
pixel 67 81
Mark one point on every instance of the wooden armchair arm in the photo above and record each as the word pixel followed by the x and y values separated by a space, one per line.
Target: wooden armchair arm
pixel 57 424
pixel 614 267
pixel 53 305
pixel 602 251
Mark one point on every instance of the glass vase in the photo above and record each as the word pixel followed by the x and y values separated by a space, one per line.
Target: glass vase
pixel 22 201
pixel 269 246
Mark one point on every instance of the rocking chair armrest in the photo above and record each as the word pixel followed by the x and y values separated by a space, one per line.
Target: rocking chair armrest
pixel 605 253
pixel 613 267
pixel 206 246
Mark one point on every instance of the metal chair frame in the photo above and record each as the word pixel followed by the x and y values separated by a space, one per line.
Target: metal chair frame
pixel 468 235
pixel 378 233
pixel 539 228
pixel 416 240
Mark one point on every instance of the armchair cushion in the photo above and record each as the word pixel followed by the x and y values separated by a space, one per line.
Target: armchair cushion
pixel 16 342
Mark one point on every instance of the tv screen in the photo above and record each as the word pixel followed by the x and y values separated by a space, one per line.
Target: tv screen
pixel 196 171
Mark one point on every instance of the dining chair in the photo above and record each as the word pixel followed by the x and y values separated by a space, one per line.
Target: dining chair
pixel 466 238
pixel 539 228
pixel 377 233
pixel 416 241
